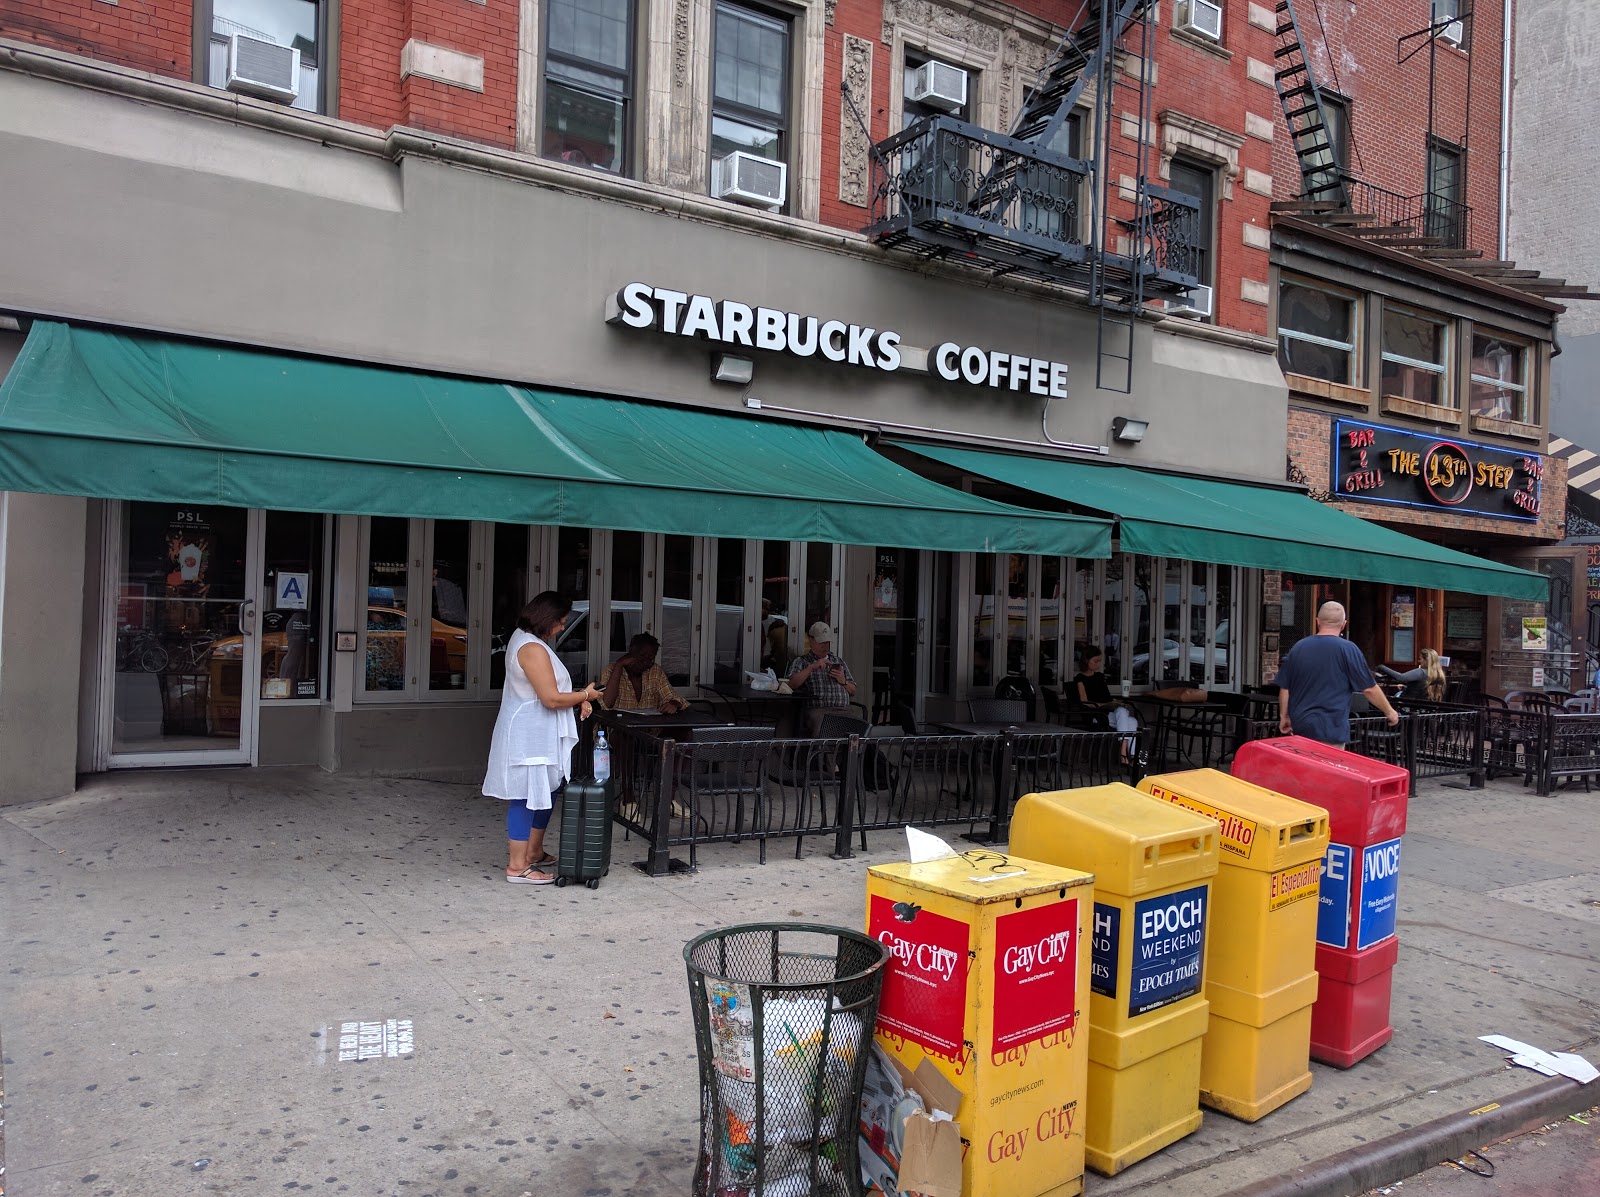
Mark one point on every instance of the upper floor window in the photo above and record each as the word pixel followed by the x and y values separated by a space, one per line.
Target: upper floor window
pixel 247 49
pixel 1200 181
pixel 1448 11
pixel 1317 333
pixel 588 83
pixel 952 83
pixel 750 89
pixel 1337 109
pixel 1499 379
pixel 1446 215
pixel 1416 349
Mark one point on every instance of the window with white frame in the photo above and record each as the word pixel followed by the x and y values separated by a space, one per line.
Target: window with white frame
pixel 1447 13
pixel 1416 356
pixel 1317 332
pixel 1499 387
pixel 750 83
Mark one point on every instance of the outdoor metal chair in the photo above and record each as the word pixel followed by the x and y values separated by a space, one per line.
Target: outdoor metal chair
pixel 727 764
pixel 997 710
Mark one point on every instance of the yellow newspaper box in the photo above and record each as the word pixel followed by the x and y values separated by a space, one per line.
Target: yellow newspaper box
pixel 988 971
pixel 1262 976
pixel 1153 864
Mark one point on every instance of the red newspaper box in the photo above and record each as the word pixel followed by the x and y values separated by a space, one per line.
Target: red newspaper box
pixel 1356 944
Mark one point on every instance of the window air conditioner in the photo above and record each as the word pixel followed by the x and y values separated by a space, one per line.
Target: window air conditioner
pixel 748 179
pixel 257 67
pixel 939 85
pixel 1202 17
pixel 1197 303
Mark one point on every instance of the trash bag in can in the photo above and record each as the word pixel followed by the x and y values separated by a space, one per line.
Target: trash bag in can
pixel 783 1019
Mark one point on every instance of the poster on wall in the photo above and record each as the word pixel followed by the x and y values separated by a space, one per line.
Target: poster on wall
pixel 188 553
pixel 1535 633
pixel 1404 614
pixel 885 585
pixel 1463 623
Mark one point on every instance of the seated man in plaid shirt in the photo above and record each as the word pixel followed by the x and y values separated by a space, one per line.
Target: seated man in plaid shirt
pixel 822 678
pixel 634 682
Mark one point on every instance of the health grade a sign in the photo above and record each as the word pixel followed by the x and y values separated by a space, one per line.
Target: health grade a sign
pixel 739 326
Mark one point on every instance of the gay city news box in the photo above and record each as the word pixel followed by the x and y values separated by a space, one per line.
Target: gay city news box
pixel 1356 942
pixel 987 978
pixel 1153 864
pixel 1262 966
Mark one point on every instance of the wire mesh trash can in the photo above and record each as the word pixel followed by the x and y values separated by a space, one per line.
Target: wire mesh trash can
pixel 779 1015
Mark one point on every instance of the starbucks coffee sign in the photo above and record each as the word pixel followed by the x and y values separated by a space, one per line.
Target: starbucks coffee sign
pixel 738 326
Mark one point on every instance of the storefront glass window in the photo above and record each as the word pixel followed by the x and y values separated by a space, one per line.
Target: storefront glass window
pixel 982 622
pixel 939 664
pixel 727 664
pixel 1193 665
pixel 291 616
pixel 1047 668
pixel 509 593
pixel 894 629
pixel 1016 631
pixel 451 605
pixel 627 591
pixel 1221 654
pixel 574 570
pixel 388 550
pixel 1111 616
pixel 819 585
pixel 780 640
pixel 677 608
pixel 1085 607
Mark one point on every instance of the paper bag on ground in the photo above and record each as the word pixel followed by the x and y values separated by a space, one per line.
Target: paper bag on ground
pixel 932 1162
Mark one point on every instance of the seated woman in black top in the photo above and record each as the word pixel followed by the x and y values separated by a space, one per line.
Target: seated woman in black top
pixel 1091 690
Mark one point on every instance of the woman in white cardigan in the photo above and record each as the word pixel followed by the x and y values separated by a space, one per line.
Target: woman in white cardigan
pixel 530 754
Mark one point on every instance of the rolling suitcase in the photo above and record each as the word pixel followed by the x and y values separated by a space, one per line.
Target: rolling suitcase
pixel 584 853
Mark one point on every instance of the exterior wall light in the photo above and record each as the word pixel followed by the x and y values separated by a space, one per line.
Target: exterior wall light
pixel 731 368
pixel 1129 432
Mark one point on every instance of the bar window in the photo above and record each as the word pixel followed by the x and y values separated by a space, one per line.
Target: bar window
pixel 1316 333
pixel 1499 379
pixel 1415 353
pixel 750 84
pixel 588 83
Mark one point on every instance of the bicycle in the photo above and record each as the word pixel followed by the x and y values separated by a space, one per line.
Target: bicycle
pixel 140 650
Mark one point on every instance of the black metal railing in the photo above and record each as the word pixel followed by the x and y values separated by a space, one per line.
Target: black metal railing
pixel 1430 214
pixel 1572 748
pixel 943 185
pixel 685 794
pixel 1176 237
pixel 1431 740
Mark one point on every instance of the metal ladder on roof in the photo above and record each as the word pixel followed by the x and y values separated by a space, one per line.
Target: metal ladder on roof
pixel 1321 181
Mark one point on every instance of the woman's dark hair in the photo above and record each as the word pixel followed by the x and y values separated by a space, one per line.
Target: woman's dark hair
pixel 543 612
pixel 1089 654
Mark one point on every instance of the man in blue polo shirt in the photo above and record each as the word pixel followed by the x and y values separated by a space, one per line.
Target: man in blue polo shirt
pixel 1317 678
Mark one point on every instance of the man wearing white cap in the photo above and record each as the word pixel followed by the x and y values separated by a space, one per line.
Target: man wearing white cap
pixel 823 679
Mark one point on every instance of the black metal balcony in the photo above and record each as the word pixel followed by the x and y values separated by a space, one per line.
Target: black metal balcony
pixel 944 188
pixel 1432 215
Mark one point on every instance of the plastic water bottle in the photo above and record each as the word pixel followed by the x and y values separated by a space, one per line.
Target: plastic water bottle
pixel 602 755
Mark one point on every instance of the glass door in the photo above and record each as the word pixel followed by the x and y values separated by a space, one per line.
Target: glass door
pixel 185 664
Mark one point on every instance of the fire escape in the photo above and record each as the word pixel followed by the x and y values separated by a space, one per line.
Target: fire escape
pixel 1019 203
pixel 1433 225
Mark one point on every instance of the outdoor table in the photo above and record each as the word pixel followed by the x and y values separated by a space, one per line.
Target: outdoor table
pixel 654 722
pixel 995 729
pixel 774 707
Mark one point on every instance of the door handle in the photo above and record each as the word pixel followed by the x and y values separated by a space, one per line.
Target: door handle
pixel 246 617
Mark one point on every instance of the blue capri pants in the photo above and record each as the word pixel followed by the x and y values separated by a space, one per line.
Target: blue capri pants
pixel 520 820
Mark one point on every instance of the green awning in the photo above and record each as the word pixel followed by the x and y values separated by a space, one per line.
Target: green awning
pixel 105 415
pixel 1234 524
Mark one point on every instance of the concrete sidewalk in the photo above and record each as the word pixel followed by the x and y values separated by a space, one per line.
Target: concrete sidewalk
pixel 183 948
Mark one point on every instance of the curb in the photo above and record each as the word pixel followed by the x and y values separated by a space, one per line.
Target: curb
pixel 1402 1155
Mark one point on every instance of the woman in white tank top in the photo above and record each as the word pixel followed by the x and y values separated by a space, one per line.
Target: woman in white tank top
pixel 530 753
